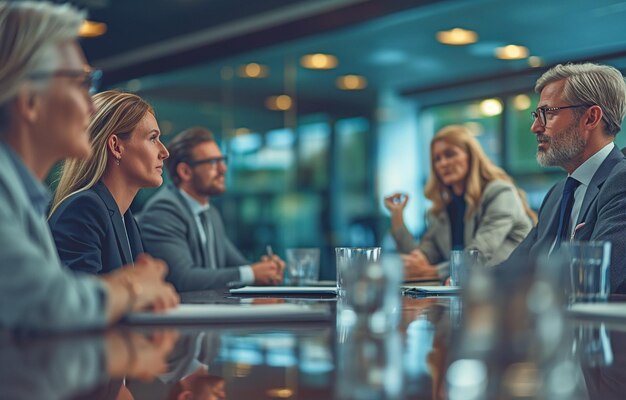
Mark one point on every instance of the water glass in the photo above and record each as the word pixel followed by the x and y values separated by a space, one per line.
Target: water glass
pixel 461 263
pixel 588 270
pixel 354 263
pixel 457 267
pixel 303 266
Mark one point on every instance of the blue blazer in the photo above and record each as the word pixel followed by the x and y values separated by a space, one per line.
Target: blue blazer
pixel 89 232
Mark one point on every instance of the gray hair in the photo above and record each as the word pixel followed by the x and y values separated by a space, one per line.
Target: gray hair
pixel 591 84
pixel 28 33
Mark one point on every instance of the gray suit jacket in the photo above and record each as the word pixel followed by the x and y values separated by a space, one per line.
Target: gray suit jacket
pixel 603 213
pixel 36 292
pixel 496 227
pixel 170 232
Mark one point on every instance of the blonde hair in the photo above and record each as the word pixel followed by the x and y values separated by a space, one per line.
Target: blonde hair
pixel 481 172
pixel 116 113
pixel 28 30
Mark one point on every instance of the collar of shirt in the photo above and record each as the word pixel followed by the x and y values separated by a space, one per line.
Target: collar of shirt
pixel 587 170
pixel 37 193
pixel 196 208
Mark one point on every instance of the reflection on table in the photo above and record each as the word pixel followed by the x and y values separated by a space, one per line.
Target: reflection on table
pixel 442 349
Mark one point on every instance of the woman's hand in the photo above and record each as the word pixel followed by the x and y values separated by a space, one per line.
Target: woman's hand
pixel 396 202
pixel 416 266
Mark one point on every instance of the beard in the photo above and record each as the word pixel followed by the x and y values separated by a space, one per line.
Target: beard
pixel 562 147
pixel 210 189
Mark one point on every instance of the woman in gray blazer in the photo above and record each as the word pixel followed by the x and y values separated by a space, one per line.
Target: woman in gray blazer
pixel 475 205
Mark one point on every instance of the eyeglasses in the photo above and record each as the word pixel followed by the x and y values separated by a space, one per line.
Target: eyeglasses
pixel 90 79
pixel 212 161
pixel 540 112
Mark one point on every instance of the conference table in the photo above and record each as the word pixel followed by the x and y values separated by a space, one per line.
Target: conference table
pixel 443 347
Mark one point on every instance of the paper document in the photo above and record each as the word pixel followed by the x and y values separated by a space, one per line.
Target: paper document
pixel 432 289
pixel 599 310
pixel 285 290
pixel 201 313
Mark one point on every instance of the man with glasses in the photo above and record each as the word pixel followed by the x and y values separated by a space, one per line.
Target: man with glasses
pixel 45 108
pixel 179 225
pixel 580 111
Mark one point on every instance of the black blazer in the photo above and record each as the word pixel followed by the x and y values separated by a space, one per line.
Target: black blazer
pixel 89 233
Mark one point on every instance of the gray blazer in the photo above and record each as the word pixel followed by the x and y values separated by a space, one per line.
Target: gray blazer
pixel 36 292
pixel 169 232
pixel 603 213
pixel 496 227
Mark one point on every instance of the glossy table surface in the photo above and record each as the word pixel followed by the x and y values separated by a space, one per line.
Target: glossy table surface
pixel 437 352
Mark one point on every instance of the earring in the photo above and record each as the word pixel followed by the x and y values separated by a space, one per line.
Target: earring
pixel 117 161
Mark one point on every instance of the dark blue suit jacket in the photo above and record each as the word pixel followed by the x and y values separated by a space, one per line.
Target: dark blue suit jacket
pixel 603 212
pixel 89 232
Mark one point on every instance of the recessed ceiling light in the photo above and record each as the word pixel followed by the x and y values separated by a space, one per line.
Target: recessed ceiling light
pixel 351 82
pixel 535 61
pixel 319 61
pixel 279 103
pixel 491 107
pixel 242 131
pixel 512 52
pixel 280 393
pixel 521 102
pixel 474 127
pixel 253 70
pixel 90 29
pixel 457 37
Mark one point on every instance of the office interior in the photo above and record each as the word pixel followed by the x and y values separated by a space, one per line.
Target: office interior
pixel 325 106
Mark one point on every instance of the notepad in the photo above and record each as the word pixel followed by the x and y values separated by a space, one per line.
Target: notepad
pixel 328 290
pixel 599 310
pixel 439 290
pixel 229 313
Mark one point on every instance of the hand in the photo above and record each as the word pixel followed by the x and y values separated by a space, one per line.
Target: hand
pixel 268 271
pixel 276 260
pixel 146 279
pixel 396 202
pixel 136 355
pixel 417 266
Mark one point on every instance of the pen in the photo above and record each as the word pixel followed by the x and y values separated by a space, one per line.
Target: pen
pixel 269 251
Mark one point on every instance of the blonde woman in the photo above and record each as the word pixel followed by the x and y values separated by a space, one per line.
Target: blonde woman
pixel 91 221
pixel 475 205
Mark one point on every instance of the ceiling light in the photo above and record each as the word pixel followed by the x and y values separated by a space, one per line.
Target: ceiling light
pixel 351 82
pixel 279 103
pixel 474 127
pixel 253 70
pixel 133 85
pixel 491 107
pixel 90 29
pixel 281 393
pixel 521 102
pixel 242 131
pixel 535 61
pixel 457 37
pixel 319 61
pixel 512 52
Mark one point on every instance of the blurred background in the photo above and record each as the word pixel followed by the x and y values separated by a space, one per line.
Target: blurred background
pixel 325 106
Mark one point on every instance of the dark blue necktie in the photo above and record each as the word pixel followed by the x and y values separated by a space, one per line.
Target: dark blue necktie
pixel 565 210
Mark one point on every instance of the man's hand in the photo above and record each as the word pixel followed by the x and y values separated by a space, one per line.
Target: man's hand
pixel 268 271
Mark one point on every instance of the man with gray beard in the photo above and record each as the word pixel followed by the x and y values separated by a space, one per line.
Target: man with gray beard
pixel 580 111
